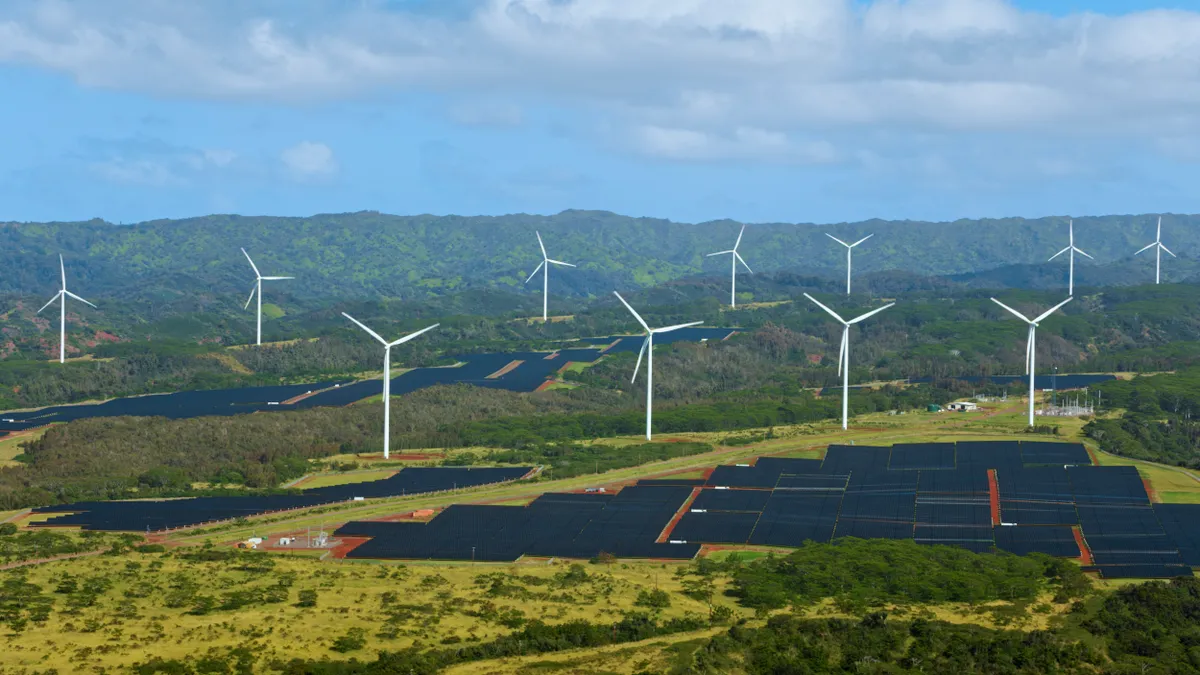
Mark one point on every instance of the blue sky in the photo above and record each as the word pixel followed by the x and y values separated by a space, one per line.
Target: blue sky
pixel 759 110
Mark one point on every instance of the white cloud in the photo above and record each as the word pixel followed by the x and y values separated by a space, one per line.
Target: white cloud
pixel 691 78
pixel 309 160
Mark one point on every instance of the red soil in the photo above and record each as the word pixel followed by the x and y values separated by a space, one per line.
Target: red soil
pixel 687 504
pixel 1085 554
pixel 994 497
pixel 348 544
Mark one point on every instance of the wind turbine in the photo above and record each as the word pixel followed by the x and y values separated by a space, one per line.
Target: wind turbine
pixel 844 352
pixel 387 375
pixel 257 290
pixel 545 267
pixel 1071 249
pixel 1157 251
pixel 62 322
pixel 648 350
pixel 1030 348
pixel 849 248
pixel 734 259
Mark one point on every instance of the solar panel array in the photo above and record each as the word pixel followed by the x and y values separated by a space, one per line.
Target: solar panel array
pixel 1049 498
pixel 476 369
pixel 143 516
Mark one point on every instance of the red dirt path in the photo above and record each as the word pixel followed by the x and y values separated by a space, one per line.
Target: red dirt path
pixel 1085 554
pixel 994 497
pixel 1150 491
pixel 348 544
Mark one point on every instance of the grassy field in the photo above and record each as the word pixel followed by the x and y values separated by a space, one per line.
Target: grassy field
pixel 10 446
pixel 328 479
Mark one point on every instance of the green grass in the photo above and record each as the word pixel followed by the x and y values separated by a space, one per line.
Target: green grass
pixel 328 479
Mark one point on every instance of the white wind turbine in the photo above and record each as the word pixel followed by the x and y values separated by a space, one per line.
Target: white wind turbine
pixel 734 259
pixel 1030 347
pixel 844 352
pixel 62 322
pixel 1071 249
pixel 849 249
pixel 648 350
pixel 1158 249
pixel 256 290
pixel 387 375
pixel 545 268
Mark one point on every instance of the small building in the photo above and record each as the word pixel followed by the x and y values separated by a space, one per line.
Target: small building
pixel 962 406
pixel 933 407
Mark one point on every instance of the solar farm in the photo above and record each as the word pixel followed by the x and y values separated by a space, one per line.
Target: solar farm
pixel 1016 496
pixel 157 516
pixel 493 371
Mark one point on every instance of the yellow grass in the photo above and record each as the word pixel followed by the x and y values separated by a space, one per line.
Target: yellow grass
pixel 10 446
pixel 229 362
pixel 328 479
pixel 120 630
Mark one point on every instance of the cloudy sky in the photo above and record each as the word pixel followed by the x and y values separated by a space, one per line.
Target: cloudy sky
pixel 757 110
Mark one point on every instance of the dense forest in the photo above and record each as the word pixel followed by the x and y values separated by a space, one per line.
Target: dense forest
pixel 1159 420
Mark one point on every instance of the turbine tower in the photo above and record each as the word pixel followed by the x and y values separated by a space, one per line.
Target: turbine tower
pixel 734 259
pixel 545 268
pixel 648 350
pixel 256 290
pixel 849 249
pixel 62 320
pixel 1030 348
pixel 1071 250
pixel 387 375
pixel 1158 249
pixel 844 352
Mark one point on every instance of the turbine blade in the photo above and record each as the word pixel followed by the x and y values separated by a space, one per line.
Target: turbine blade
pixel 559 262
pixel 632 311
pixel 668 329
pixel 541 245
pixel 1168 251
pixel 739 239
pixel 739 257
pixel 1082 253
pixel 62 268
pixel 1158 234
pixel 837 240
pixel 79 298
pixel 56 296
pixel 410 336
pixel 830 311
pixel 641 352
pixel 1029 349
pixel 842 349
pixel 276 278
pixel 364 327
pixel 870 314
pixel 252 265
pixel 1015 312
pixel 1051 310
pixel 719 253
pixel 1058 254
pixel 253 290
pixel 1147 246
pixel 535 271
pixel 861 240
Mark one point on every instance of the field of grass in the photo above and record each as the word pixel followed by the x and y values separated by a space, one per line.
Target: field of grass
pixel 328 479
pixel 146 605
pixel 10 446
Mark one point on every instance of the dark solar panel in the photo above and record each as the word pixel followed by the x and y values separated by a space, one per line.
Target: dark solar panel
pixel 971 480
pixel 715 527
pixel 743 476
pixel 987 454
pixel 843 459
pixel 711 499
pixel 906 456
pixel 1109 520
pixel 1042 452
pixel 1051 540
pixel 944 511
pixel 1143 571
pixel 1049 484
pixel 879 506
pixel 1181 522
pixel 872 529
pixel 788 465
pixel 792 517
pixel 1120 485
pixel 811 482
pixel 1038 513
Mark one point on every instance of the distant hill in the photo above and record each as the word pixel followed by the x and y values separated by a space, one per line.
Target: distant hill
pixel 368 255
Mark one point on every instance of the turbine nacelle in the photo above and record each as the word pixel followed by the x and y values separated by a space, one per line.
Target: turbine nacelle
pixel 737 258
pixel 544 267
